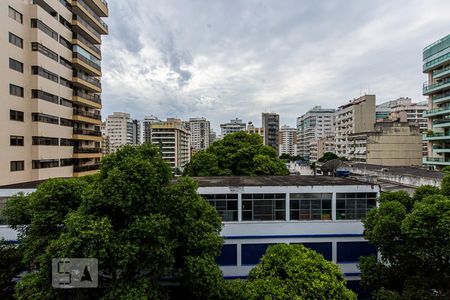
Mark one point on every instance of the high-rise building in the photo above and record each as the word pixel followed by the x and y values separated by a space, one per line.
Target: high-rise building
pixel 316 123
pixel 354 117
pixel 172 137
pixel 233 126
pixel 255 130
pixel 121 129
pixel 271 125
pixel 50 88
pixel 147 128
pixel 436 64
pixel 287 141
pixel 200 130
pixel 212 137
pixel 383 110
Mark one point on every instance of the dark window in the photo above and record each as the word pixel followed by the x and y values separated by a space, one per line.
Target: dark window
pixel 354 206
pixel 38 94
pixel 66 162
pixel 65 62
pixel 35 23
pixel 14 14
pixel 16 140
pixel 16 90
pixel 228 256
pixel 326 249
pixel 66 142
pixel 252 253
pixel 349 252
pixel 310 206
pixel 65 23
pixel 15 40
pixel 44 164
pixel 65 102
pixel 40 117
pixel 35 70
pixel 65 82
pixel 225 204
pixel 263 207
pixel 44 50
pixel 65 43
pixel 18 165
pixel 65 122
pixel 15 65
pixel 45 141
pixel 15 115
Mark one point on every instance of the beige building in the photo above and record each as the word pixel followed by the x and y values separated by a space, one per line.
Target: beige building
pixel 391 143
pixel 320 146
pixel 355 117
pixel 287 142
pixel 173 138
pixel 121 129
pixel 50 74
pixel 255 130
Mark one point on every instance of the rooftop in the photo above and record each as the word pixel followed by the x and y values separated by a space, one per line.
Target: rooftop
pixel 397 170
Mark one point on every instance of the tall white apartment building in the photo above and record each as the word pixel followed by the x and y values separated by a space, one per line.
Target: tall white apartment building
pixel 121 129
pixel 147 129
pixel 287 141
pixel 318 122
pixel 354 117
pixel 233 126
pixel 200 130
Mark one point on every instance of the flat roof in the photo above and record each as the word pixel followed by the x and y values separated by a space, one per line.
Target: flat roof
pixel 296 180
pixel 397 170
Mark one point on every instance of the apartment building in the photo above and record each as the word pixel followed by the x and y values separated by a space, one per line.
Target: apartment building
pixel 436 64
pixel 146 132
pixel 212 137
pixel 121 129
pixel 354 117
pixel 173 138
pixel 271 125
pixel 383 110
pixel 233 126
pixel 316 123
pixel 200 130
pixel 287 143
pixel 50 74
pixel 251 129
pixel 318 147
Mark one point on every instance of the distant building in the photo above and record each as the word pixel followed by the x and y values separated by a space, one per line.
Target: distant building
pixel 233 126
pixel 255 130
pixel 436 64
pixel 212 137
pixel 316 123
pixel 200 131
pixel 271 125
pixel 389 144
pixel 121 130
pixel 106 148
pixel 287 141
pixel 354 117
pixel 321 146
pixel 147 129
pixel 383 110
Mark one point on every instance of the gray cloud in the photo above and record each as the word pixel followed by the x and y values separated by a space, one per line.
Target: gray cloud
pixel 227 58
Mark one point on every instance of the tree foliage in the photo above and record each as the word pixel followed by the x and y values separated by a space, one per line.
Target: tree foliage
pixel 328 156
pixel 139 225
pixel 288 157
pixel 237 154
pixel 412 235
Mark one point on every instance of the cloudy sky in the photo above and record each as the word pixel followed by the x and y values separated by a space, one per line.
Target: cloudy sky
pixel 222 59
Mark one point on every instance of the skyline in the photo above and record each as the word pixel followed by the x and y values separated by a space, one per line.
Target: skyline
pixel 236 59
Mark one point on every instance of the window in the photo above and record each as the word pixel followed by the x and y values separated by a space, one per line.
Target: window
pixel 45 141
pixel 44 50
pixel 44 164
pixel 349 252
pixel 44 118
pixel 66 162
pixel 252 253
pixel 35 70
pixel 15 115
pixel 18 165
pixel 263 207
pixel 65 23
pixel 16 140
pixel 65 122
pixel 311 206
pixel 228 256
pixel 65 82
pixel 65 102
pixel 354 206
pixel 67 142
pixel 326 249
pixel 15 40
pixel 16 90
pixel 225 204
pixel 35 23
pixel 15 15
pixel 65 62
pixel 65 43
pixel 15 65
pixel 38 94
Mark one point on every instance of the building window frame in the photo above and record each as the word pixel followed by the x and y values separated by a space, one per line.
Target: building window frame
pixel 16 115
pixel 15 40
pixel 16 90
pixel 16 140
pixel 15 15
pixel 256 206
pixel 226 205
pixel 15 65
pixel 16 165
pixel 310 206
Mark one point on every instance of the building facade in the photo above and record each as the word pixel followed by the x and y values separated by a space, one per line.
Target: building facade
pixel 271 126
pixel 317 123
pixel 318 147
pixel 200 130
pixel 436 64
pixel 251 129
pixel 287 143
pixel 51 103
pixel 121 129
pixel 233 126
pixel 147 129
pixel 355 117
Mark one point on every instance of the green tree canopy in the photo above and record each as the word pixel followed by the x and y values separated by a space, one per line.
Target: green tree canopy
pixel 412 235
pixel 328 156
pixel 139 225
pixel 237 154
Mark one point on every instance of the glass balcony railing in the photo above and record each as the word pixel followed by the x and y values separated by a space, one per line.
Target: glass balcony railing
pixel 437 72
pixel 436 110
pixel 441 121
pixel 87 114
pixel 92 97
pixel 86 60
pixel 429 86
pixel 93 14
pixel 86 132
pixel 87 78
pixel 436 61
pixel 437 159
pixel 88 26
pixel 91 46
pixel 440 96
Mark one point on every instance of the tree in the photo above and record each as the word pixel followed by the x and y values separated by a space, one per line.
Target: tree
pixel 412 235
pixel 139 225
pixel 10 266
pixel 296 272
pixel 237 154
pixel 328 156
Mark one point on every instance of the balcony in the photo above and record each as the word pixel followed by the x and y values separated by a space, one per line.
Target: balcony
pixel 100 7
pixel 436 136
pixel 91 15
pixel 85 169
pixel 87 152
pixel 90 100
pixel 81 26
pixel 441 123
pixel 441 148
pixel 441 98
pixel 436 87
pixel 436 112
pixel 86 117
pixel 441 73
pixel 86 82
pixel 94 50
pixel 86 135
pixel 436 161
pixel 86 64
pixel 435 63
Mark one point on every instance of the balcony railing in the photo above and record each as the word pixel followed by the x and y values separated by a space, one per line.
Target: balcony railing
pixel 87 150
pixel 86 60
pixel 441 121
pixel 92 97
pixel 87 114
pixel 437 159
pixel 436 110
pixel 87 78
pixel 440 147
pixel 427 86
pixel 437 72
pixel 91 46
pixel 436 61
pixel 440 96
pixel 87 25
pixel 86 132
pixel 82 3
pixel 86 168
